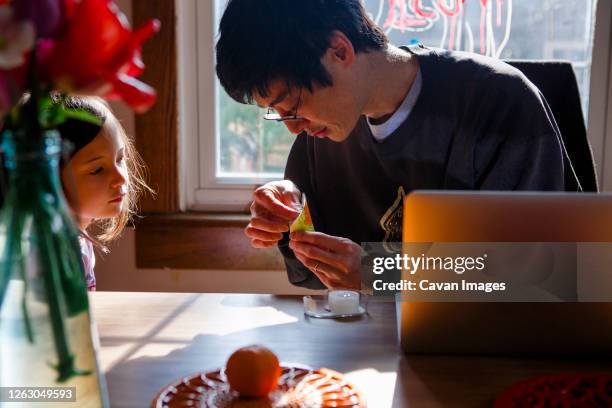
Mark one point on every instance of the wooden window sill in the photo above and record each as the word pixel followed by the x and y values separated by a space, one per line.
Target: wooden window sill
pixel 200 241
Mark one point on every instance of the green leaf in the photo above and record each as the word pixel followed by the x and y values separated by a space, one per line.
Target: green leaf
pixel 53 113
pixel 82 115
pixel 47 112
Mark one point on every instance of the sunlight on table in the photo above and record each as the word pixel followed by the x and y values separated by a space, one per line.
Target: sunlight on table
pixel 371 382
pixel 174 325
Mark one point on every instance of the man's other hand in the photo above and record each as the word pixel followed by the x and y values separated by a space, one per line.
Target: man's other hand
pixel 335 260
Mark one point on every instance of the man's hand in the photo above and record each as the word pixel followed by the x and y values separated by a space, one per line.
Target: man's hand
pixel 336 261
pixel 274 206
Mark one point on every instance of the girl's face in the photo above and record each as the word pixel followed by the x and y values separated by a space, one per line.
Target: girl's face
pixel 100 175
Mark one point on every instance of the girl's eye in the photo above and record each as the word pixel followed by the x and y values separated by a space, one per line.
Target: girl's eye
pixel 120 159
pixel 96 171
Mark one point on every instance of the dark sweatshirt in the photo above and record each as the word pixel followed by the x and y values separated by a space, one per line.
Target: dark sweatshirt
pixel 478 124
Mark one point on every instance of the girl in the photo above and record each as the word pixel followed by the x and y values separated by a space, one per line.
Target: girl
pixel 102 177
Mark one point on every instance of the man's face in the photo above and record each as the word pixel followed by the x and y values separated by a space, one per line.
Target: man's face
pixel 326 112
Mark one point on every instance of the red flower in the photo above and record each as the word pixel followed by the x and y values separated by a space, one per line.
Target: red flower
pixel 97 53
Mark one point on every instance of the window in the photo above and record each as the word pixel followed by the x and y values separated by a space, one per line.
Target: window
pixel 228 149
pixel 506 29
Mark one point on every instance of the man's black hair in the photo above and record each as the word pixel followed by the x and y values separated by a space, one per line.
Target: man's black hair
pixel 261 41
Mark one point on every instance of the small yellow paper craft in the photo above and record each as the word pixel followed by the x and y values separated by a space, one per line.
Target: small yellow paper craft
pixel 303 222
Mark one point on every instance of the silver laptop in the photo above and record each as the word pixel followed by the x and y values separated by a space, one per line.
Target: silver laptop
pixel 577 328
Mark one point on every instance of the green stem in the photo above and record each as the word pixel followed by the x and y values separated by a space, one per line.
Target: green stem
pixel 73 281
pixel 55 299
pixel 13 258
pixel 13 233
pixel 7 256
pixel 27 322
pixel 72 276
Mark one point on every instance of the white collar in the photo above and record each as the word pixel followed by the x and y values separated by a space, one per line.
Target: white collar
pixel 383 130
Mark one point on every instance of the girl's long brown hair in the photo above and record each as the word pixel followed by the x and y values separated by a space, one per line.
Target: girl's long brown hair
pixel 103 231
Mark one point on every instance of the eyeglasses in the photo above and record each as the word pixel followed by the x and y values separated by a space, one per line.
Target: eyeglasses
pixel 291 117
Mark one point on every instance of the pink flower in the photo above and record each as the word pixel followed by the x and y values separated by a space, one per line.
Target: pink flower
pixel 46 15
pixel 16 39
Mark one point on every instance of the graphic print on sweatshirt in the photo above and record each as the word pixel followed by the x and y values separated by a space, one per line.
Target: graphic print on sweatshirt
pixel 391 223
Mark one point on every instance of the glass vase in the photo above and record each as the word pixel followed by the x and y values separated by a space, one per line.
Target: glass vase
pixel 47 338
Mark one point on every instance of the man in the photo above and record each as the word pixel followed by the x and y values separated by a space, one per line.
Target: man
pixel 374 122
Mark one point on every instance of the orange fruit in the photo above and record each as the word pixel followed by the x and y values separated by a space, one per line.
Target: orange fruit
pixel 253 371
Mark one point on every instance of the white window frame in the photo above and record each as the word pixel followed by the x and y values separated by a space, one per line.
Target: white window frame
pixel 198 125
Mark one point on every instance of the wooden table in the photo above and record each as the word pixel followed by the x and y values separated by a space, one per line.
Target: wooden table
pixel 151 339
